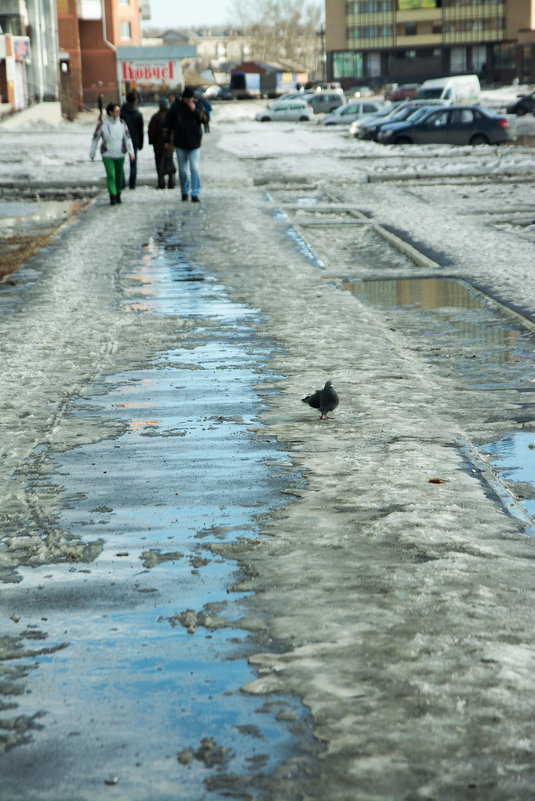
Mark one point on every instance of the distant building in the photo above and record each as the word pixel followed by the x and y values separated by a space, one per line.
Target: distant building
pixel 29 53
pixel 268 79
pixel 411 40
pixel 222 49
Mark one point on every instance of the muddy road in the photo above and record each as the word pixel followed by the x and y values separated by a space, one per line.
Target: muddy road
pixel 207 591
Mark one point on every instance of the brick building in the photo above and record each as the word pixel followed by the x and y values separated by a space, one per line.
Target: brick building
pixel 90 32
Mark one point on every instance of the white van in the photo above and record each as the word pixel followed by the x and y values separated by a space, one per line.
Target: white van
pixel 457 90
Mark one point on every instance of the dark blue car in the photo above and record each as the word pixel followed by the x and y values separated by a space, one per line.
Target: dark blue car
pixel 450 125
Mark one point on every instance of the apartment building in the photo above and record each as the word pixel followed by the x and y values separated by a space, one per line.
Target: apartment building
pixel 377 41
pixel 90 31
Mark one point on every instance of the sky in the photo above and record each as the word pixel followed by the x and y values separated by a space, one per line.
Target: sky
pixel 179 13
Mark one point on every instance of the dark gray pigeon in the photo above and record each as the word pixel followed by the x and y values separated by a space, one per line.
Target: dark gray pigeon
pixel 326 400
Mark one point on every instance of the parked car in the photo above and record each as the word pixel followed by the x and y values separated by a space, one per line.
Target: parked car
pixel 325 101
pixel 522 105
pixel 332 86
pixel 452 125
pixel 387 90
pixel 293 110
pixel 223 93
pixel 359 91
pixel 355 126
pixel 407 91
pixel 369 128
pixel 299 95
pixel 344 115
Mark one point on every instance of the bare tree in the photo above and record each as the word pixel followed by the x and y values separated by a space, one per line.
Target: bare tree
pixel 280 29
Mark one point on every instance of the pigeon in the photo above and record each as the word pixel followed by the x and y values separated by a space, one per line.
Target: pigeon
pixel 325 400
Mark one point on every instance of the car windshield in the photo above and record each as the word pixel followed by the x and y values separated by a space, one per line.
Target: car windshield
pixel 428 94
pixel 404 112
pixel 419 112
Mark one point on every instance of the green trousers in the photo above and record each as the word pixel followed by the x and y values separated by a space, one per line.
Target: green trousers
pixel 114 174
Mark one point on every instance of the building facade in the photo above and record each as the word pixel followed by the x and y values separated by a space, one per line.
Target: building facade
pixel 90 31
pixel 29 55
pixel 378 41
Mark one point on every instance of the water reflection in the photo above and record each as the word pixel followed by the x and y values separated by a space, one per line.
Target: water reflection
pixel 514 459
pixel 454 321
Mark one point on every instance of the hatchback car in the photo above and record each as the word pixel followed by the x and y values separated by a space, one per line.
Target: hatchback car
pixel 522 105
pixel 344 115
pixel 325 101
pixel 287 111
pixel 453 125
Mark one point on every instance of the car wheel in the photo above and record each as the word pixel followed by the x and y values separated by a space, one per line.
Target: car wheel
pixel 403 140
pixel 265 119
pixel 479 139
pixel 305 119
pixel 521 110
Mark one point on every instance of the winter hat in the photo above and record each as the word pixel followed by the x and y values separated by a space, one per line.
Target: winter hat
pixel 163 102
pixel 188 92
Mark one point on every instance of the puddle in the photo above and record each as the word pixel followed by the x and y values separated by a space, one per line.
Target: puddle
pixel 21 215
pixel 456 328
pixel 304 248
pixel 307 201
pixel 513 458
pixel 449 320
pixel 149 683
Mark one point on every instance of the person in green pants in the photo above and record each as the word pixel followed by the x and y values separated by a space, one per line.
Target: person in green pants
pixel 115 142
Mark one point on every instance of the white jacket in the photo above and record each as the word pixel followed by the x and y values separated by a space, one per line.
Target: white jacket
pixel 116 140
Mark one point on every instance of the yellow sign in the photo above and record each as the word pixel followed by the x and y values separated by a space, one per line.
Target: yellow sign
pixel 408 5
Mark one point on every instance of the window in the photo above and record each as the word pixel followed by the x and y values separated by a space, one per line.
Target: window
pixel 463 116
pixel 437 120
pixel 410 29
pixel 126 30
pixel 504 56
pixel 347 65
pixel 124 2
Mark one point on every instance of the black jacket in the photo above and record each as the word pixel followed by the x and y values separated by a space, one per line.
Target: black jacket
pixel 155 130
pixel 183 127
pixel 134 119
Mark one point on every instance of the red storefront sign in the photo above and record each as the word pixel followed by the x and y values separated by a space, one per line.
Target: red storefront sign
pixel 150 72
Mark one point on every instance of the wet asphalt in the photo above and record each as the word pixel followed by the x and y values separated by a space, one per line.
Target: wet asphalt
pixel 147 634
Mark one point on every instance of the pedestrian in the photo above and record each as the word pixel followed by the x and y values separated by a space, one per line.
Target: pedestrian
pixel 116 141
pixel 134 119
pixel 165 162
pixel 100 106
pixel 183 129
pixel 207 106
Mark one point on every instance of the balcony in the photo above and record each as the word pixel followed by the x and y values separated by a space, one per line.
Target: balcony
pixel 89 9
pixel 423 40
pixel 474 12
pixel 419 15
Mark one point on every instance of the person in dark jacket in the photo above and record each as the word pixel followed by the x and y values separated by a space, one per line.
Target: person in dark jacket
pixel 165 163
pixel 183 128
pixel 134 120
